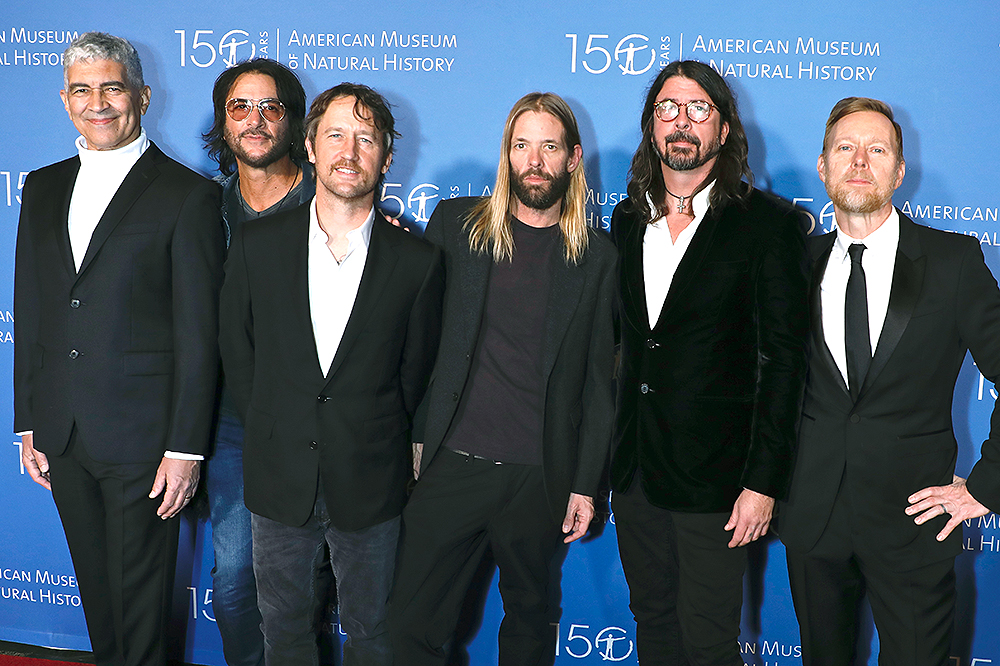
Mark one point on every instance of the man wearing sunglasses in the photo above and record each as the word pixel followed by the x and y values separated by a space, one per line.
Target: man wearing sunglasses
pixel 258 140
pixel 714 319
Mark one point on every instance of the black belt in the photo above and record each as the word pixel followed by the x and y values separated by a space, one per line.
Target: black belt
pixel 472 456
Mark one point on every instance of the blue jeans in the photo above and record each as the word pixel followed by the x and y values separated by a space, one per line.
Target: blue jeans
pixel 286 560
pixel 234 594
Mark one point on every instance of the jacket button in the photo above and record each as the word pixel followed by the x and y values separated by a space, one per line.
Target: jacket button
pixel 74 354
pixel 454 397
pixel 644 387
pixel 651 343
pixel 855 418
pixel 75 303
pixel 313 445
pixel 322 398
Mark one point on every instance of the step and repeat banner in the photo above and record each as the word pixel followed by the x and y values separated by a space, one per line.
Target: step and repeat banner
pixel 452 70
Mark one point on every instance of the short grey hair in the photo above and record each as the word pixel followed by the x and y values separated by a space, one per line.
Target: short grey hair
pixel 102 46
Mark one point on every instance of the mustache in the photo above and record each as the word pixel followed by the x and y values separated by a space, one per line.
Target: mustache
pixel 354 166
pixel 256 132
pixel 537 173
pixel 683 136
pixel 859 175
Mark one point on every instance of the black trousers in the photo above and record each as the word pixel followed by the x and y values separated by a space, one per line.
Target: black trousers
pixel 914 611
pixel 685 583
pixel 459 507
pixel 123 553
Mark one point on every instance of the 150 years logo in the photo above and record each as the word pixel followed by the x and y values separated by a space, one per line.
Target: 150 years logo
pixel 235 45
pixel 633 54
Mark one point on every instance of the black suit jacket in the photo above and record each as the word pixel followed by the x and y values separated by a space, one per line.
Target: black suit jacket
pixel 709 397
pixel 577 350
pixel 126 348
pixel 898 438
pixel 350 428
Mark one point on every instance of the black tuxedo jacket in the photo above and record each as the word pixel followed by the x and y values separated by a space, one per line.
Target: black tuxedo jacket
pixel 898 438
pixel 126 348
pixel 709 397
pixel 350 428
pixel 577 349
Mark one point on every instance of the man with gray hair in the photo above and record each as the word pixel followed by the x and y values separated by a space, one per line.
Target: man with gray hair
pixel 118 268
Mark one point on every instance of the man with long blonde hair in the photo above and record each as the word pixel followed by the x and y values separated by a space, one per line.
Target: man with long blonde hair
pixel 519 414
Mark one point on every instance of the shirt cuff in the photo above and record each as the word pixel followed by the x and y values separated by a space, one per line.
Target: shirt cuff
pixel 173 455
pixel 25 432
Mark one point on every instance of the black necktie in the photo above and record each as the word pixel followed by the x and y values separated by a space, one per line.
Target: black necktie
pixel 856 332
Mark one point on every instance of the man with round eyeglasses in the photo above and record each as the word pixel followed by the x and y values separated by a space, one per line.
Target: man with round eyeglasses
pixel 257 138
pixel 714 320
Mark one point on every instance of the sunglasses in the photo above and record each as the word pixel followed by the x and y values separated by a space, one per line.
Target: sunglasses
pixel 270 109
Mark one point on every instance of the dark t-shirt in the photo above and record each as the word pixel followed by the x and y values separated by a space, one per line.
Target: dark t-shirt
pixel 501 413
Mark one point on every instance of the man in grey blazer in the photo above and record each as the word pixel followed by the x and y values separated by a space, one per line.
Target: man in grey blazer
pixel 519 413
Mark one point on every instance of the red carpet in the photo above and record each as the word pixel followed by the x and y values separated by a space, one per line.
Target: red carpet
pixel 7 660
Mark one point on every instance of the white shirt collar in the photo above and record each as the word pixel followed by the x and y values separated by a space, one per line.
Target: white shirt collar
pixel 882 240
pixel 359 237
pixel 127 154
pixel 699 204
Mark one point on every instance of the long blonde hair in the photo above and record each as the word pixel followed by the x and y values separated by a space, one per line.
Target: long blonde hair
pixel 488 222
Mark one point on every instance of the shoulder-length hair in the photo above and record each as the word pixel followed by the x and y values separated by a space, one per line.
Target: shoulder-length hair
pixel 734 179
pixel 489 222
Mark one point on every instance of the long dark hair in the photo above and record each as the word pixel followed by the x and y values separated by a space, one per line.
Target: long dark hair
pixel 732 174
pixel 290 93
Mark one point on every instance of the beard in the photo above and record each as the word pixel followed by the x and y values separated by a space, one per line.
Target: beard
pixel 280 146
pixel 689 159
pixel 852 200
pixel 543 196
pixel 365 185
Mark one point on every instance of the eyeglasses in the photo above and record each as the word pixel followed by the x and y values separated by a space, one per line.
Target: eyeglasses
pixel 698 110
pixel 270 109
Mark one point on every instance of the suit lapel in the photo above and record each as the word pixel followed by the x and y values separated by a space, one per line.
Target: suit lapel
pixel 564 294
pixel 820 348
pixel 907 280
pixel 135 183
pixel 381 259
pixel 634 292
pixel 474 276
pixel 690 264
pixel 60 195
pixel 295 265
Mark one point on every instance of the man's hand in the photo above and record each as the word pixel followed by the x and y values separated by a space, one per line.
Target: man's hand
pixel 177 480
pixel 35 462
pixel 579 513
pixel 750 518
pixel 954 499
pixel 396 223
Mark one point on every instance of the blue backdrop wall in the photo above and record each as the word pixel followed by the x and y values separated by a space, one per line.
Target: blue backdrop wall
pixel 452 70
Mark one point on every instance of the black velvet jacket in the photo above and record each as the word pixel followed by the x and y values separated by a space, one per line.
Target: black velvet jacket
pixel 709 399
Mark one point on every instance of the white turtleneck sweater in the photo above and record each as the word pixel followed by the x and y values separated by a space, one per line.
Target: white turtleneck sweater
pixel 101 174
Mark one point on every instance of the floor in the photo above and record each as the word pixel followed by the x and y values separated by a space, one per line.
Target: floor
pixel 8 651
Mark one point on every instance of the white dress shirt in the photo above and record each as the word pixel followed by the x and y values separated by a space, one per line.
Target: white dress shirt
pixel 879 261
pixel 661 254
pixel 333 285
pixel 101 174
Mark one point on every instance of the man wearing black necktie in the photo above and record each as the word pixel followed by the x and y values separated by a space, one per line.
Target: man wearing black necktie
pixel 874 499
